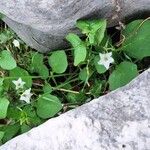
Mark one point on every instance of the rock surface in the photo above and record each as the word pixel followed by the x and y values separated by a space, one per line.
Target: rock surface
pixel 43 24
pixel 119 120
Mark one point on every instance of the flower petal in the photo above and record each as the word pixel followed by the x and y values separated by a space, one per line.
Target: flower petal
pixel 26 96
pixel 109 55
pixel 111 60
pixel 102 56
pixel 106 64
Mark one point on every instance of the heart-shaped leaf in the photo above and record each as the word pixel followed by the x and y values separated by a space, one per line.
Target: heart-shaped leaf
pixel 38 66
pixel 58 61
pixel 4 103
pixel 123 74
pixel 7 61
pixel 137 39
pixel 80 51
pixel 48 106
pixel 10 131
pixel 94 29
pixel 21 73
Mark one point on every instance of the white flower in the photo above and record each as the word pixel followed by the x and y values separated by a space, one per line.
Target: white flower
pixel 106 59
pixel 26 96
pixel 19 83
pixel 16 43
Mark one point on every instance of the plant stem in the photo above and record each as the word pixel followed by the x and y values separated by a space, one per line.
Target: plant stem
pixel 35 77
pixel 65 90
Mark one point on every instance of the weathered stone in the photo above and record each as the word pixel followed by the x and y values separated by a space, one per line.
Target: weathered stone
pixel 43 24
pixel 117 121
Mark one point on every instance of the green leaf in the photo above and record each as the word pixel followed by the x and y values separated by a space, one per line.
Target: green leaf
pixel 58 61
pixel 4 103
pixel 79 54
pixel 76 98
pixel 80 51
pixel 95 25
pixel 122 75
pixel 1 86
pixel 48 106
pixel 91 37
pixel 25 128
pixel 1 135
pixel 1 90
pixel 100 68
pixel 1 16
pixel 7 61
pixel 47 88
pixel 83 74
pixel 43 71
pixel 84 26
pixel 74 40
pixel 1 81
pixel 37 66
pixel 10 131
pixel 13 113
pixel 37 59
pixel 94 29
pixel 31 116
pixel 66 86
pixel 21 73
pixel 96 88
pixel 5 36
pixel 88 26
pixel 137 39
pixel 100 33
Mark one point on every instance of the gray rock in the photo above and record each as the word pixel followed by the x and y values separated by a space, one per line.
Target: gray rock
pixel 117 121
pixel 43 24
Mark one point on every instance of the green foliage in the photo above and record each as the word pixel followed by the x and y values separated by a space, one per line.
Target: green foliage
pixel 25 128
pixel 35 87
pixel 30 117
pixel 20 72
pixel 38 66
pixel 3 107
pixel 79 46
pixel 10 131
pixel 7 62
pixel 13 113
pixel 48 106
pixel 1 135
pixel 83 75
pixel 1 16
pixel 5 36
pixel 94 29
pixel 1 87
pixel 58 61
pixel 123 74
pixel 76 98
pixel 47 88
pixel 99 68
pixel 99 36
pixel 96 89
pixel 137 41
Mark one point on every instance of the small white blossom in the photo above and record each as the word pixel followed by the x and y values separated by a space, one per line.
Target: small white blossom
pixel 16 43
pixel 26 96
pixel 19 83
pixel 106 59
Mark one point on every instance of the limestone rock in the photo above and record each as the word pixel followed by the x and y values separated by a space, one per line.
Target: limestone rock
pixel 117 121
pixel 43 24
